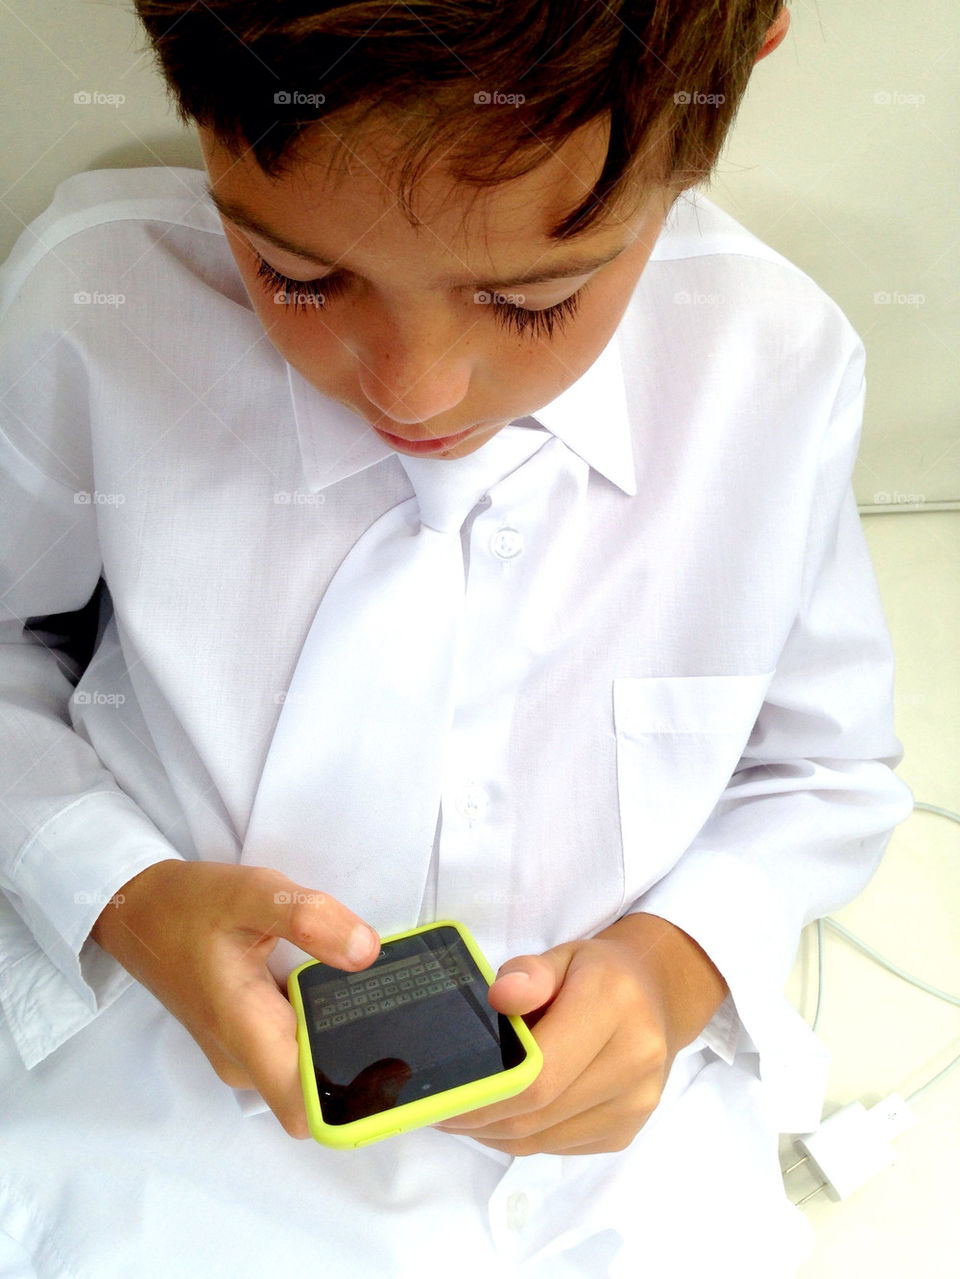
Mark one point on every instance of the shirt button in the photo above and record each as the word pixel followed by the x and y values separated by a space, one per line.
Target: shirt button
pixel 518 1209
pixel 506 543
pixel 471 802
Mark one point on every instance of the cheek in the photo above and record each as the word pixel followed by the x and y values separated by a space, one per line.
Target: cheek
pixel 302 338
pixel 571 353
pixel 607 301
pixel 290 331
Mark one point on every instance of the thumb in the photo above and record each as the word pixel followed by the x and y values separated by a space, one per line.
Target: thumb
pixel 530 982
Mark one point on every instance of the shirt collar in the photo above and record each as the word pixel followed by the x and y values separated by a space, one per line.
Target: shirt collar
pixel 590 417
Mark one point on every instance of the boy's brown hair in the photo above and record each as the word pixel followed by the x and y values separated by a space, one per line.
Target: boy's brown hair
pixel 488 86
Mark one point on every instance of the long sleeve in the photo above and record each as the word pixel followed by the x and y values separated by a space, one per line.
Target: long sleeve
pixel 808 811
pixel 69 836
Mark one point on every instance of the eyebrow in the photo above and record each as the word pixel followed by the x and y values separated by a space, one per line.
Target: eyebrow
pixel 561 271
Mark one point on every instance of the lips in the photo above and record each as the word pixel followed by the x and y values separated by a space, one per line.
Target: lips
pixel 435 445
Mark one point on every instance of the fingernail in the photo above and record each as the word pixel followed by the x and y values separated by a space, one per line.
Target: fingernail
pixel 514 972
pixel 360 943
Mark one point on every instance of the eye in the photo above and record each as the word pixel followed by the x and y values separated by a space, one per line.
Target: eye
pixel 304 295
pixel 538 323
pixel 300 294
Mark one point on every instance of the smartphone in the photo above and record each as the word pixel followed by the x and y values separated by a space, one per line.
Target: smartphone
pixel 409 1041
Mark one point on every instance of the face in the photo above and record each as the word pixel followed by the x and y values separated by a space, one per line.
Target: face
pixel 434 334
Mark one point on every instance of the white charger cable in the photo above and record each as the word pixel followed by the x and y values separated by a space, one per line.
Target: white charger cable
pixel 855 1143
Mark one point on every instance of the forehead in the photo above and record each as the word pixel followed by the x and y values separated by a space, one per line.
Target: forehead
pixel 340 194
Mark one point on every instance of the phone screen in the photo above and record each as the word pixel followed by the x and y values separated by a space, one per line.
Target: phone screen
pixel 416 1022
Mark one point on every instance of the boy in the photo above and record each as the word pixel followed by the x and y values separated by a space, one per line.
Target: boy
pixel 661 741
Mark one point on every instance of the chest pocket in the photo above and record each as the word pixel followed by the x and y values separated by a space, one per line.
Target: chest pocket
pixel 679 738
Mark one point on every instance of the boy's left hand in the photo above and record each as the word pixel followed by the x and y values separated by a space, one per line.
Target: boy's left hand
pixel 611 1013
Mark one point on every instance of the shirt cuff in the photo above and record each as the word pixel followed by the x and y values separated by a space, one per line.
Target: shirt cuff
pixel 41 1009
pixel 719 900
pixel 725 1034
pixel 54 978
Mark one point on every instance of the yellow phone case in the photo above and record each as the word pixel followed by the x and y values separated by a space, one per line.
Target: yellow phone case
pixel 425 1110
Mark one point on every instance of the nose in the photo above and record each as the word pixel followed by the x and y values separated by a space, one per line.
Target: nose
pixel 413 380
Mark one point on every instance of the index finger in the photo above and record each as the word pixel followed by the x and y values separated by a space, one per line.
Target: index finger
pixel 314 921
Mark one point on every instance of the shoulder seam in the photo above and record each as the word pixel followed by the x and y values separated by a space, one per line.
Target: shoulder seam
pixel 48 243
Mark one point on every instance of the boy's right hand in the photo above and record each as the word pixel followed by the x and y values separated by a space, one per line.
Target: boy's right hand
pixel 197 934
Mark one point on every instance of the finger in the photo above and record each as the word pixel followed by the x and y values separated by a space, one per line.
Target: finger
pixel 601 1090
pixel 529 982
pixel 274 906
pixel 523 991
pixel 603 1128
pixel 583 1095
pixel 612 1057
pixel 594 1087
pixel 571 1035
pixel 261 1035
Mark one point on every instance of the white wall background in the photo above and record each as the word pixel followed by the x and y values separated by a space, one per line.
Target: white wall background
pixel 845 157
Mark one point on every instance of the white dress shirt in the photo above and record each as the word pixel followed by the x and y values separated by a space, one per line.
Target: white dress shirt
pixel 678 700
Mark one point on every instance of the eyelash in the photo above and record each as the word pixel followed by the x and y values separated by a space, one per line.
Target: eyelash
pixel 309 292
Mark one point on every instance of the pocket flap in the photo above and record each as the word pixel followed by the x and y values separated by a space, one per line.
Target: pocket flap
pixel 688 703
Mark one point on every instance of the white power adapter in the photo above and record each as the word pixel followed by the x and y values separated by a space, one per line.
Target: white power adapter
pixel 853 1143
